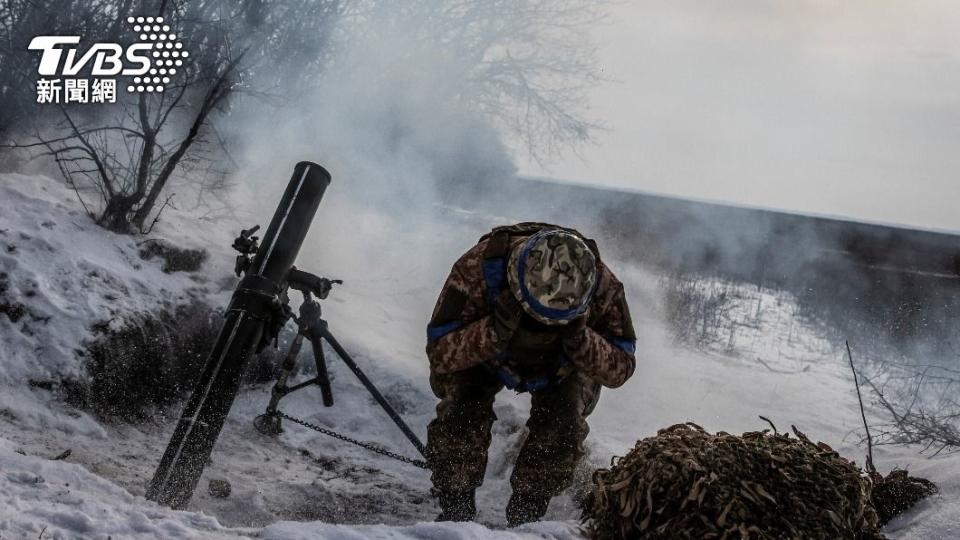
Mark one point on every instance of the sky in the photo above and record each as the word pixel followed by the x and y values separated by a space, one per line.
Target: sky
pixel 848 108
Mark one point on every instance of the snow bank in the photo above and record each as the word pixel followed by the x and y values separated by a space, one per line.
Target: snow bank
pixel 64 268
pixel 63 274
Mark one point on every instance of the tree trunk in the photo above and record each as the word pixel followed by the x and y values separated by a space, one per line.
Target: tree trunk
pixel 213 98
pixel 116 216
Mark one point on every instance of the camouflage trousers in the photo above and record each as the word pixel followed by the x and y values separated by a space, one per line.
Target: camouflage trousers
pixel 459 437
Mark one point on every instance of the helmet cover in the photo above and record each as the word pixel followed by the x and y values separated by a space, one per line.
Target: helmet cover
pixel 553 274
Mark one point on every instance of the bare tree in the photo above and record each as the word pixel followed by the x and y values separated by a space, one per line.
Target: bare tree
pixel 128 159
pixel 120 162
pixel 526 64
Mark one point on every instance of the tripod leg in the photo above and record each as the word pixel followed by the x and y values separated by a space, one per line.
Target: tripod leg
pixel 323 378
pixel 268 423
pixel 411 436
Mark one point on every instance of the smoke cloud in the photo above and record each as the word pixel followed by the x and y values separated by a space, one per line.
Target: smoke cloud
pixel 826 107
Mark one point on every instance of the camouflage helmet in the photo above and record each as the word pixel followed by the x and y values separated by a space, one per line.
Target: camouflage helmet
pixel 553 274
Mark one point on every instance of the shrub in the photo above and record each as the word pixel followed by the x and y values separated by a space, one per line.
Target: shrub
pixel 152 362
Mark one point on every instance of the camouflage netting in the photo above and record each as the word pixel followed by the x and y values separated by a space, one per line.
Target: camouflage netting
pixel 897 492
pixel 687 483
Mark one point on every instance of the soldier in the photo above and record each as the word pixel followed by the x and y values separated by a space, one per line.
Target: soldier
pixel 532 308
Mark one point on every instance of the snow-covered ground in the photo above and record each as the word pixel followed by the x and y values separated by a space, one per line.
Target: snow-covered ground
pixel 69 274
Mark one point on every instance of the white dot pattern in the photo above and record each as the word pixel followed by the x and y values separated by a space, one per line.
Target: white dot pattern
pixel 165 46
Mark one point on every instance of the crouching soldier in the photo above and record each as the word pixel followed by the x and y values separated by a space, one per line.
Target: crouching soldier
pixel 532 308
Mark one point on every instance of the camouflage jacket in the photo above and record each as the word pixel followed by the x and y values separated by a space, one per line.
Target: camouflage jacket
pixel 460 334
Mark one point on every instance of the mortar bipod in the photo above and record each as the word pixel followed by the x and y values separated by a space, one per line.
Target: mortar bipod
pixel 312 327
pixel 309 320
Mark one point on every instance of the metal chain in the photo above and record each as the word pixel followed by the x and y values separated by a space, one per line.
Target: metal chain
pixel 369 446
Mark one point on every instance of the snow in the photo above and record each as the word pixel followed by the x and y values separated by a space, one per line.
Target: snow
pixel 69 273
pixel 65 500
pixel 420 531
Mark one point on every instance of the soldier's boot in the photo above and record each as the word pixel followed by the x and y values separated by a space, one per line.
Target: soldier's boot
pixel 457 505
pixel 525 508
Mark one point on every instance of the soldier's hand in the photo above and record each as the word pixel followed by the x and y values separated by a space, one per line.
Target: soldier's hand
pixel 506 316
pixel 574 332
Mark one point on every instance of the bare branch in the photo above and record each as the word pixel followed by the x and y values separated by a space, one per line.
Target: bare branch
pixel 870 468
pixel 157 217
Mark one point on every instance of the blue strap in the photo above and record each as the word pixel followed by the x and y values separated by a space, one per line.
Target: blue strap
pixel 516 384
pixel 436 332
pixel 508 379
pixel 538 384
pixel 628 346
pixel 494 274
pixel 542 383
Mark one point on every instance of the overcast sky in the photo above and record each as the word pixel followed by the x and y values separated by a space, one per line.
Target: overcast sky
pixel 845 107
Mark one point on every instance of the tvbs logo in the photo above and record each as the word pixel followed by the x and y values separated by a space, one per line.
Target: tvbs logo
pixel 150 62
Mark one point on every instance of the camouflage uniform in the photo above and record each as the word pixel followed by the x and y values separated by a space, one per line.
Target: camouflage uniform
pixel 464 359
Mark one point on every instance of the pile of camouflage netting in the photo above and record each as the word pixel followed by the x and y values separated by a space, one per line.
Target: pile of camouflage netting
pixel 687 483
